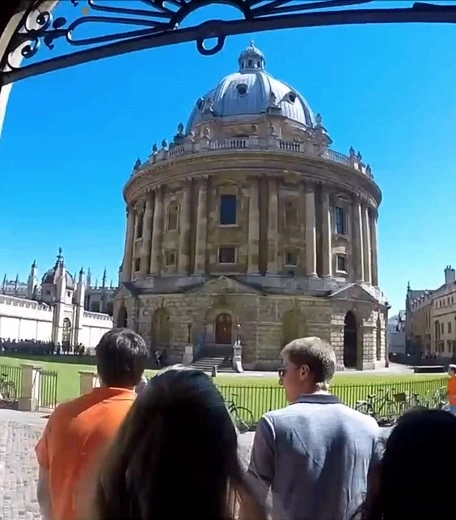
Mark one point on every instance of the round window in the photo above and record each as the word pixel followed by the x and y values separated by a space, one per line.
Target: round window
pixel 242 89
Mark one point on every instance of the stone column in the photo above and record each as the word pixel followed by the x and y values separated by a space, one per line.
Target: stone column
pixel 128 251
pixel 157 232
pixel 147 237
pixel 373 234
pixel 273 226
pixel 310 233
pixel 254 227
pixel 326 235
pixel 366 245
pixel 185 229
pixel 201 228
pixel 87 382
pixel 29 400
pixel 357 242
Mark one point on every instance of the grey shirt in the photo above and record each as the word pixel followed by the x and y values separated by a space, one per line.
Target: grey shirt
pixel 314 455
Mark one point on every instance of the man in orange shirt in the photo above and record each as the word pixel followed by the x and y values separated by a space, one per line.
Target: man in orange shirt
pixel 78 432
pixel 451 389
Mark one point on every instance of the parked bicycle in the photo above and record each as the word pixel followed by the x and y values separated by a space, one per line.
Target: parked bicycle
pixel 384 409
pixel 242 417
pixel 8 392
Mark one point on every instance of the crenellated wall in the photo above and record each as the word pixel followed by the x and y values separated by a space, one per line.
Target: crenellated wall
pixel 22 319
pixel 94 325
pixel 25 319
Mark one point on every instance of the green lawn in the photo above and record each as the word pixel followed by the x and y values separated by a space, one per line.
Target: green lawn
pixel 259 394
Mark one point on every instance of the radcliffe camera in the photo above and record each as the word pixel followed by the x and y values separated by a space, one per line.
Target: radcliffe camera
pixel 224 259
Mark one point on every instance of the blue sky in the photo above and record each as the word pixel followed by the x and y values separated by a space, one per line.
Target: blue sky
pixel 71 138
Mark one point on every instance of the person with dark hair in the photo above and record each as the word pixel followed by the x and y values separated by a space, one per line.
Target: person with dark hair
pixel 412 479
pixel 78 431
pixel 314 454
pixel 175 456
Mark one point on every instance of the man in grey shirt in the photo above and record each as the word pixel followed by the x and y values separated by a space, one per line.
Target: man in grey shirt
pixel 314 454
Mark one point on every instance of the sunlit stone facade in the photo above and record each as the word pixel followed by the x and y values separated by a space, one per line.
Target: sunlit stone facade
pixel 247 225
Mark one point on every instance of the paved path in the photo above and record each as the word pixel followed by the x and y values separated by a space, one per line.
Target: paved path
pixel 19 432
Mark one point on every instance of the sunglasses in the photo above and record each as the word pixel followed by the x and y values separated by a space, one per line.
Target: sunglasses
pixel 282 371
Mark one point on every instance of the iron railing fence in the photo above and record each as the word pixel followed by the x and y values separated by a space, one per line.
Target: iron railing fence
pixel 10 385
pixel 262 399
pixel 48 389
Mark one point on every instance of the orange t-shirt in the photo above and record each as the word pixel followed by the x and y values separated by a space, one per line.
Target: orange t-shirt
pixel 452 390
pixel 75 436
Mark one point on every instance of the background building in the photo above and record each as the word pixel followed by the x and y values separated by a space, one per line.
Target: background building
pixel 55 309
pixel 431 318
pixel 247 225
pixel 396 334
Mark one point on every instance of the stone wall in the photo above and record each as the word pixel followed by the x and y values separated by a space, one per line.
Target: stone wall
pixel 94 325
pixel 25 319
pixel 266 323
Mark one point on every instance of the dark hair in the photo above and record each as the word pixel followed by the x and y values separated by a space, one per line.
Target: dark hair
pixel 413 479
pixel 314 352
pixel 175 456
pixel 121 357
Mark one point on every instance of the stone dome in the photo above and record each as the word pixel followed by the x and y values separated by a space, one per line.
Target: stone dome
pixel 251 92
pixel 49 275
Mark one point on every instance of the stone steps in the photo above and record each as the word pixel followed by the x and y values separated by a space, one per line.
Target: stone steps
pixel 206 363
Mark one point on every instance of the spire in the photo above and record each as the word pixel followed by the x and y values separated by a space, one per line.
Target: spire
pixel 81 271
pixel 103 281
pixel 59 260
pixel 34 266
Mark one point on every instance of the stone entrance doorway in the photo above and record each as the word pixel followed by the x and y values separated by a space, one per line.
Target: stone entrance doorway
pixel 66 332
pixel 350 341
pixel 223 329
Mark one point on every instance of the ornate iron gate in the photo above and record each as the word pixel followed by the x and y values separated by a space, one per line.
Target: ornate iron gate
pixel 145 24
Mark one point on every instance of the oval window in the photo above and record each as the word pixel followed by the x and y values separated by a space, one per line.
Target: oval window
pixel 292 97
pixel 241 89
pixel 200 103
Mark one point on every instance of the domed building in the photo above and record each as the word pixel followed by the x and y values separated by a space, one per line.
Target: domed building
pixel 249 227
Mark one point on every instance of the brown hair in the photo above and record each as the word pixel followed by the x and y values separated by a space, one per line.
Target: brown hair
pixel 314 352
pixel 175 456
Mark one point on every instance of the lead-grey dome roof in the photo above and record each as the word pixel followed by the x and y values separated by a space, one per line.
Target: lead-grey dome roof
pixel 251 92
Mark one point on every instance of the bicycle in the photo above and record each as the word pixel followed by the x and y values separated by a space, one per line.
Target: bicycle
pixel 384 410
pixel 242 417
pixel 8 392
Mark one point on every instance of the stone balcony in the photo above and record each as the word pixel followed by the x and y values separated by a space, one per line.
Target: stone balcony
pixel 190 145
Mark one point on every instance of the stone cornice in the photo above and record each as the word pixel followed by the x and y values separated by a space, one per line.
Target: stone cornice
pixel 314 170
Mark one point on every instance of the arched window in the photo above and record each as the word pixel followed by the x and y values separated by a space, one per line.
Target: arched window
pixel 95 307
pixel 173 216
pixel 139 225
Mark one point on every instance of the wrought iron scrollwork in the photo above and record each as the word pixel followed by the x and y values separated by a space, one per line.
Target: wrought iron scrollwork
pixel 155 23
